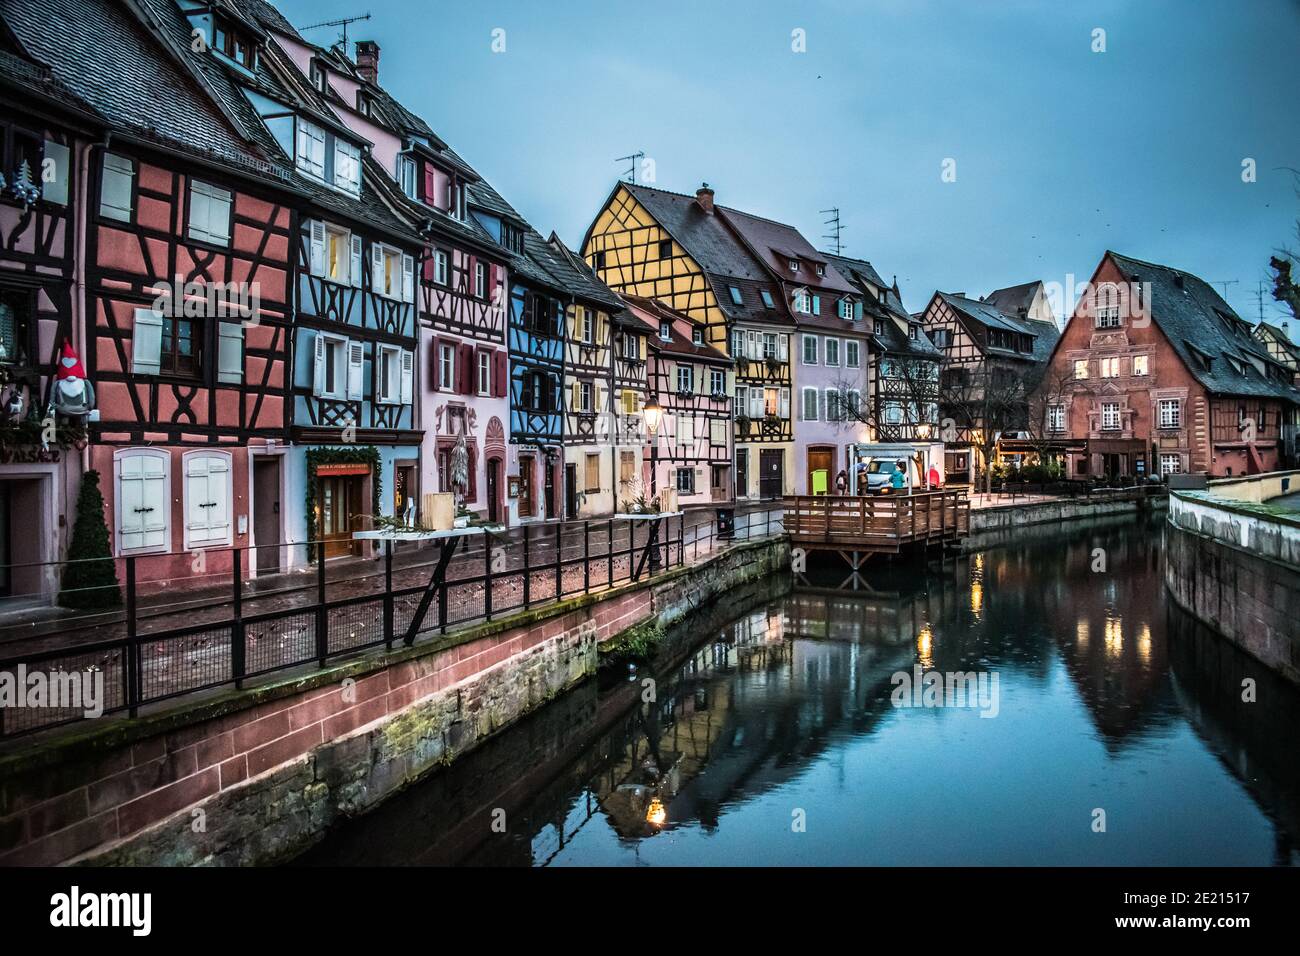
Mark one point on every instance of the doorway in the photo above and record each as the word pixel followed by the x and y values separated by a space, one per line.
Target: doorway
pixel 526 486
pixel 548 489
pixel 821 465
pixel 771 473
pixel 340 503
pixel 6 558
pixel 571 490
pixel 266 512
pixel 742 472
pixel 494 490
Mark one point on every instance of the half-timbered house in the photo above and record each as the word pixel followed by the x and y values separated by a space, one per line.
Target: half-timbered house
pixel 692 382
pixel 682 251
pixel 1155 374
pixel 44 133
pixel 187 262
pixel 629 348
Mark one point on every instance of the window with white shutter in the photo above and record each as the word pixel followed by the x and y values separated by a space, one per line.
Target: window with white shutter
pixel 356 369
pixel 311 149
pixel 316 256
pixel 408 377
pixel 354 265
pixel 408 278
pixel 54 173
pixel 209 213
pixel 230 352
pixel 146 342
pixel 784 408
pixel 330 374
pixel 388 374
pixel 207 499
pixel 810 404
pixel 115 187
pixel 142 508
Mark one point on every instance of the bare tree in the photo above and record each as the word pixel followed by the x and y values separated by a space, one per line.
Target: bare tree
pixel 988 399
pixel 903 398
pixel 1285 288
pixel 1053 389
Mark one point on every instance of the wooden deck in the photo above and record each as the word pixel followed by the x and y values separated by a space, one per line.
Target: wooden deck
pixel 876 523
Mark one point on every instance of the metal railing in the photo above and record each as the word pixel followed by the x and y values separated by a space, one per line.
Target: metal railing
pixel 147 653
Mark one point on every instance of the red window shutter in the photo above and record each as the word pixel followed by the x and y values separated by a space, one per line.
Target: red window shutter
pixel 429 181
pixel 428 265
pixel 435 349
pixel 472 273
pixel 500 382
pixel 492 282
pixel 467 370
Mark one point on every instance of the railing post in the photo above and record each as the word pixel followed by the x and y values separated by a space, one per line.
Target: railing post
pixel 487 576
pixel 237 665
pixel 681 539
pixel 132 644
pixel 388 594
pixel 609 554
pixel 322 613
pixel 559 559
pixel 527 572
pixel 586 556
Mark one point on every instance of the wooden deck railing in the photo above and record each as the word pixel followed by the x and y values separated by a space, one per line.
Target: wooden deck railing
pixel 876 522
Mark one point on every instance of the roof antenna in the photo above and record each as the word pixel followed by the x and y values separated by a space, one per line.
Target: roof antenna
pixel 631 170
pixel 343 36
pixel 836 228
pixel 1225 283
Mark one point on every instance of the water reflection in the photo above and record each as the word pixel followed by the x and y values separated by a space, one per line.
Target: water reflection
pixel 1108 699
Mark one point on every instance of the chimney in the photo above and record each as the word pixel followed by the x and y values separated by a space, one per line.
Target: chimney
pixel 368 60
pixel 704 196
pixel 1178 279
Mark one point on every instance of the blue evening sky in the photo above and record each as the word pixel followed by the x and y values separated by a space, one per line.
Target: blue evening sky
pixel 1060 152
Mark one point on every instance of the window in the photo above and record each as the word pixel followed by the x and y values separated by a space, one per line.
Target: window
pixel 735 295
pixel 852 354
pixel 685 428
pixel 406 175
pixel 592 469
pixel 480 279
pixel 1110 416
pixel 846 309
pixel 1140 364
pixel 337 367
pixel 1106 315
pixel 629 401
pixel 325 157
pixel 768 303
pixel 586 324
pixel 834 413
pixel 810 404
pixel 853 402
pixel 941 338
pixel 686 481
pixel 395 376
pixel 484 373
pixel 179 353
pixel 769 345
pixel 142 516
pixel 821 269
pixel 317 76
pixel 802 302
pixel 582 397
pixel 832 348
pixel 810 350
pixel 207 500
pixel 392 273
pixel 742 400
pixel 1056 418
pixel 626 467
pixel 1080 368
pixel 665 249
pixel 893 413
pixel 1171 464
pixel 912 331
pixel 718 432
pixel 665 330
pixel 632 347
pixel 1108 367
pixel 597 259
pixel 718 383
pixel 340 251
pixel 440 266
pixel 737 343
pixel 794 265
pixel 16 328
pixel 446 367
pixel 1170 413
pixel 209 213
pixel 697 335
pixel 116 187
pixel 685 379
pixel 347 166
pixel 236 45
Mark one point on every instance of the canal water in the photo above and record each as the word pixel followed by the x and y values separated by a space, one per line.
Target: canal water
pixel 779 732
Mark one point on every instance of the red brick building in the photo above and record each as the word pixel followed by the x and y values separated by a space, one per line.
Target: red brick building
pixel 1158 375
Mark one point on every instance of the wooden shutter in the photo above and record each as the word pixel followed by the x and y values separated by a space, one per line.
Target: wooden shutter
pixel 316 258
pixel 54 188
pixel 435 363
pixel 782 347
pixel 146 342
pixel 115 187
pixel 207 499
pixel 408 278
pixel 356 358
pixel 230 352
pixel 377 283
pixel 142 506
pixel 784 403
pixel 354 267
pixel 465 373
pixel 408 377
pixel 501 373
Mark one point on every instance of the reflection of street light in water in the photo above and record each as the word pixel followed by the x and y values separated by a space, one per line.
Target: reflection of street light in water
pixel 924 644
pixel 656 813
pixel 977 584
pixel 1114 634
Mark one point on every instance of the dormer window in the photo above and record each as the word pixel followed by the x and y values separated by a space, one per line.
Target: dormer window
pixel 821 269
pixel 234 44
pixel 406 175
pixel 794 265
pixel 878 328
pixel 665 249
pixel 697 335
pixel 665 330
pixel 802 302
pixel 911 332
pixel 883 296
pixel 597 258
pixel 767 299
pixel 846 309
pixel 318 77
pixel 363 103
pixel 323 156
pixel 735 296
pixel 512 237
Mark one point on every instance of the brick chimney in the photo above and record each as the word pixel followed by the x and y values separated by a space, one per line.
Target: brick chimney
pixel 704 196
pixel 368 60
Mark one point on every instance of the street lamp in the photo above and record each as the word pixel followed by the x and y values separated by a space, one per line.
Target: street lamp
pixel 654 414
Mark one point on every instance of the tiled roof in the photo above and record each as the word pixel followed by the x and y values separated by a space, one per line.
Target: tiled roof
pixel 775 244
pixel 1195 319
pixel 106 57
pixel 893 339
pixel 1013 299
pixel 650 312
pixel 1283 340
pixel 1045 334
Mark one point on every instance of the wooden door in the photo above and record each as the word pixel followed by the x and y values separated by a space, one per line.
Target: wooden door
pixel 339 504
pixel 771 473
pixel 266 512
pixel 525 486
pixel 820 460
pixel 493 489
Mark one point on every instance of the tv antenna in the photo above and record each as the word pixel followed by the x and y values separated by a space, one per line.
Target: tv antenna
pixel 836 228
pixel 343 34
pixel 1225 283
pixel 634 158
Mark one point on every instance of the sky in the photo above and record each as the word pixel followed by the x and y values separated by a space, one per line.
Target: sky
pixel 1061 151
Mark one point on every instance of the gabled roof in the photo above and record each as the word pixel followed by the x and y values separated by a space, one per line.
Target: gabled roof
pixel 775 245
pixel 1016 299
pixel 1196 319
pixel 1045 334
pixel 892 338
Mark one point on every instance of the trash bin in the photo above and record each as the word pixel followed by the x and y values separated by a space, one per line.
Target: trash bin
pixel 726 522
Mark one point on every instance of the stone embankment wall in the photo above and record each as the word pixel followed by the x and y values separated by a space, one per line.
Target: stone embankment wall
pixel 256 776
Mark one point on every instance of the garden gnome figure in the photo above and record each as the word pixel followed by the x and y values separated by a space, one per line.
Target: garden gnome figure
pixel 73 395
